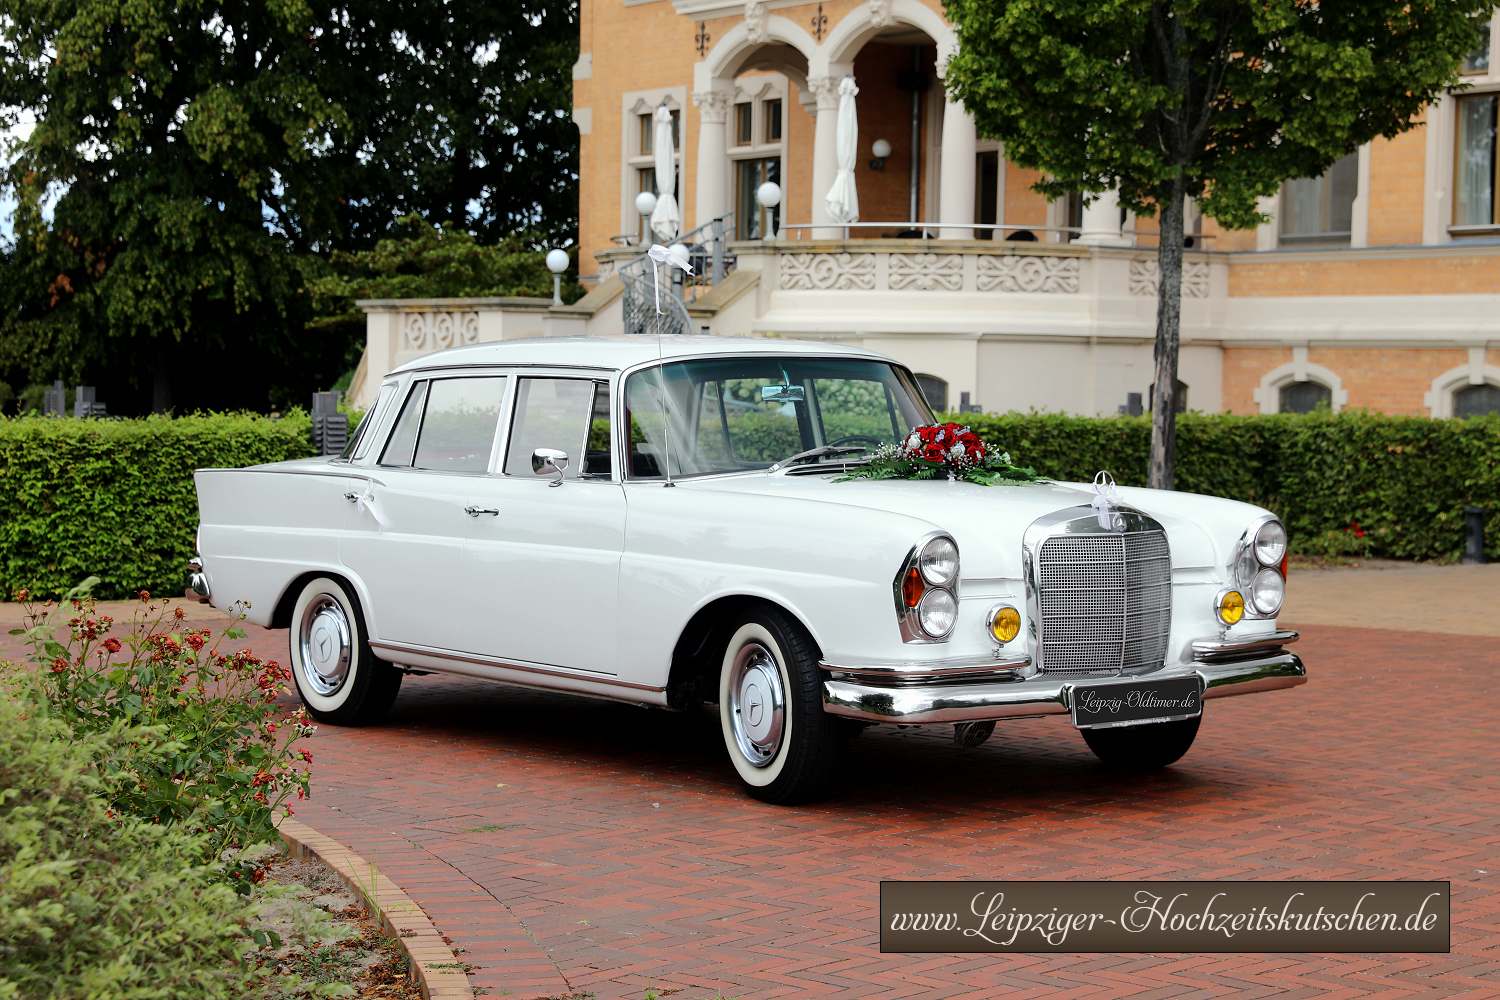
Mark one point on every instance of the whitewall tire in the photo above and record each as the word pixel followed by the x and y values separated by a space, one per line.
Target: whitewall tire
pixel 780 741
pixel 337 675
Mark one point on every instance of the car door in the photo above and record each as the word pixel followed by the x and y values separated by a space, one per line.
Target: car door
pixel 542 571
pixel 418 510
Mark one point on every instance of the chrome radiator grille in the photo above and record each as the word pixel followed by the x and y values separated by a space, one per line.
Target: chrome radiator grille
pixel 1105 602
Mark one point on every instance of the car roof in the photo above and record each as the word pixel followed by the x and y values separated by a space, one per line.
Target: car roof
pixel 620 352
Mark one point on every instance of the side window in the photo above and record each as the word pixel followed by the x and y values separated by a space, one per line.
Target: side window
pixel 457 432
pixel 647 418
pixel 552 413
pixel 364 434
pixel 596 457
pixel 403 442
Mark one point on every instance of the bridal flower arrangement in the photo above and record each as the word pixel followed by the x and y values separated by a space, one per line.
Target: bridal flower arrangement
pixel 942 451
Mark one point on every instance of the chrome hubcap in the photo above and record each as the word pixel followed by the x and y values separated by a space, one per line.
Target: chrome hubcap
pixel 326 644
pixel 757 704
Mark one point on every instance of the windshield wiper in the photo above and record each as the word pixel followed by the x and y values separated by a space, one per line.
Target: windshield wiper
pixel 823 452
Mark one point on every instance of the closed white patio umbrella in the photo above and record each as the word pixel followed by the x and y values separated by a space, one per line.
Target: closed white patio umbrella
pixel 666 221
pixel 843 199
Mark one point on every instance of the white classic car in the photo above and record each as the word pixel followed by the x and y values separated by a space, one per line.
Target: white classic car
pixel 666 521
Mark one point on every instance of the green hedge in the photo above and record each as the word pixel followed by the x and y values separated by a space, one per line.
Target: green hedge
pixel 115 498
pixel 1403 481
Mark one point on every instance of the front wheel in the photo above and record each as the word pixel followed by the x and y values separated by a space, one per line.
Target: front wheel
pixel 1143 748
pixel 338 676
pixel 782 744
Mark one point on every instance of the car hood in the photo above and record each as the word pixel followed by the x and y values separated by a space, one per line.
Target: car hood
pixel 988 521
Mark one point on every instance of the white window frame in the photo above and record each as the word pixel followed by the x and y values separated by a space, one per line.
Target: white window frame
pixel 1267 394
pixel 633 104
pixel 756 91
pixel 1442 137
pixel 1439 398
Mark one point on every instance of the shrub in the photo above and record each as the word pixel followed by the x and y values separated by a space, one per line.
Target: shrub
pixel 93 902
pixel 209 751
pixel 116 497
pixel 1404 480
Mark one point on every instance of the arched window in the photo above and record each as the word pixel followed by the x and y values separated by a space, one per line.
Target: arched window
pixel 1476 400
pixel 1304 397
pixel 934 390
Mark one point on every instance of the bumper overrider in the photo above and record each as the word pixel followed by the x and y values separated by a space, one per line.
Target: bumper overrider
pixel 954 691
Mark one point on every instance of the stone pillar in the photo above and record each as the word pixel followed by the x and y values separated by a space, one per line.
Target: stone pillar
pixel 956 177
pixel 1267 234
pixel 1101 221
pixel 713 153
pixel 825 90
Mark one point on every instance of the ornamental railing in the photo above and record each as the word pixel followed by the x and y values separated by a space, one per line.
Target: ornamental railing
pixel 711 261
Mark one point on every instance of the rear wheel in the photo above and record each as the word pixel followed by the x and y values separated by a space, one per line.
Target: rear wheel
pixel 337 675
pixel 782 744
pixel 1143 748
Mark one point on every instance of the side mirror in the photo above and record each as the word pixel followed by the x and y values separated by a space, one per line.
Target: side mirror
pixel 549 461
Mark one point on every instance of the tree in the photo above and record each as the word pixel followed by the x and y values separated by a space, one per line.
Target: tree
pixel 422 261
pixel 1216 100
pixel 188 157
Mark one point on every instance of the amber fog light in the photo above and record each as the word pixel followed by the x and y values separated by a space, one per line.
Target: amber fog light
pixel 1230 606
pixel 1004 623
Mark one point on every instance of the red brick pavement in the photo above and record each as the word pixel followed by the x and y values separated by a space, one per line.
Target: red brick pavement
pixel 576 847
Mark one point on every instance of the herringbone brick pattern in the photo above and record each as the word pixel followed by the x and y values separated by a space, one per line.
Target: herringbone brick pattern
pixel 576 847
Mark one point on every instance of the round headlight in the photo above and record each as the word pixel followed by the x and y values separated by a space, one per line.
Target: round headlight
pixel 1270 543
pixel 939 562
pixel 1246 567
pixel 937 613
pixel 1230 607
pixel 1005 623
pixel 1268 591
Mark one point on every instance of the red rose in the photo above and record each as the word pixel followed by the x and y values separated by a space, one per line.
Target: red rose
pixel 112 644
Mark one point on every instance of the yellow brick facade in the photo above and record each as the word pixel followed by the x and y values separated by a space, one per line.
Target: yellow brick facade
pixel 1401 247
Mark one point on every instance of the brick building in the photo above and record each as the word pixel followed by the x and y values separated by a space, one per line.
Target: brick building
pixel 1375 286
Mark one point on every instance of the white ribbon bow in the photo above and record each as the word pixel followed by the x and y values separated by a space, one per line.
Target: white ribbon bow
pixel 1105 500
pixel 661 255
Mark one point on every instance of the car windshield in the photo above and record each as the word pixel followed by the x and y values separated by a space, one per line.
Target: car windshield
pixel 743 414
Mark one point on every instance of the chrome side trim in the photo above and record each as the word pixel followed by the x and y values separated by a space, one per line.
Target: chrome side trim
pixel 898 672
pixel 395 650
pixel 1044 695
pixel 1210 650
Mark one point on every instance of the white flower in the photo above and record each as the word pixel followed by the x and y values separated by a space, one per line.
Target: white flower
pixel 914 442
pixel 956 452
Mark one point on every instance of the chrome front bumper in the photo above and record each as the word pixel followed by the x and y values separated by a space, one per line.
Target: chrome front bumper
pixel 1260 670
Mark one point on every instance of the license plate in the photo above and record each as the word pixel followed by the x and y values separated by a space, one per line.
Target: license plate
pixel 1134 703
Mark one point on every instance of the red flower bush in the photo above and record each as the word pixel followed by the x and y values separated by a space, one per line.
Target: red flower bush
pixel 201 742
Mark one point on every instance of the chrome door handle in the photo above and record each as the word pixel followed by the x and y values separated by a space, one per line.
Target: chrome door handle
pixel 476 511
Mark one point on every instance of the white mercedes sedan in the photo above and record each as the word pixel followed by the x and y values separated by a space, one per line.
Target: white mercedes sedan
pixel 679 522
